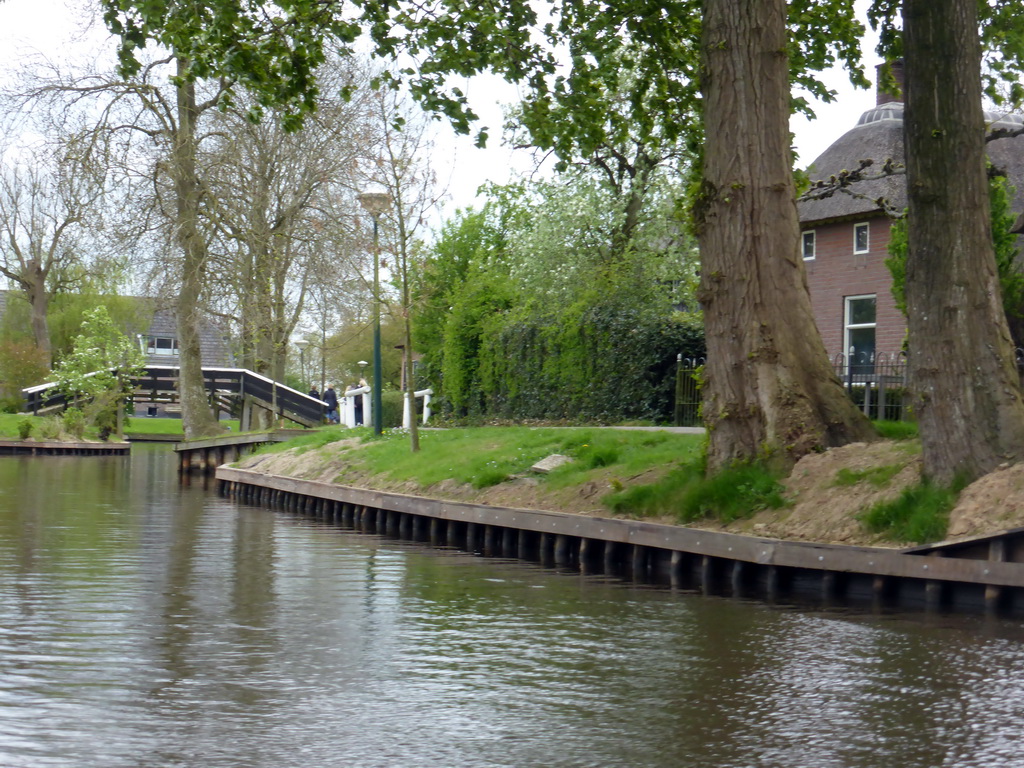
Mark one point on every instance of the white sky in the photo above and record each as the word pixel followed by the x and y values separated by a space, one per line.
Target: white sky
pixel 48 27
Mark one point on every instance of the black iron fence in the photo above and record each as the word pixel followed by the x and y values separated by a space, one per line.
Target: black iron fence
pixel 877 385
pixel 688 399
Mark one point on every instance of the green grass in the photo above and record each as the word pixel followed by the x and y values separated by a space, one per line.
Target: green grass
pixel 687 495
pixel 485 456
pixel 9 424
pixel 137 425
pixel 145 425
pixel 315 438
pixel 896 430
pixel 651 473
pixel 876 476
pixel 919 515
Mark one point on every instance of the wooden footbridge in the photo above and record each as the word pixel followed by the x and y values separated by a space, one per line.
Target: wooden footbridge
pixel 232 390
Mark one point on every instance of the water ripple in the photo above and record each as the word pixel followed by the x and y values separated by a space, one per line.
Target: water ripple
pixel 145 624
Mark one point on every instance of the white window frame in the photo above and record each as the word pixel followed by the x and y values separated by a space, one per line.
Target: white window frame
pixel 814 244
pixel 153 349
pixel 848 326
pixel 867 237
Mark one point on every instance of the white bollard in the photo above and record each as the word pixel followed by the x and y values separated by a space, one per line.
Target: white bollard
pixel 367 407
pixel 427 394
pixel 349 418
pixel 407 411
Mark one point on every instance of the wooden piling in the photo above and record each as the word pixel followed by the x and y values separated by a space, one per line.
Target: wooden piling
pixel 675 569
pixel 707 578
pixel 639 563
pixel 985 576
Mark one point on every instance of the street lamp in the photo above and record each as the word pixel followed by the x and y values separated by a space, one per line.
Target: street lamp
pixel 362 370
pixel 375 204
pixel 302 344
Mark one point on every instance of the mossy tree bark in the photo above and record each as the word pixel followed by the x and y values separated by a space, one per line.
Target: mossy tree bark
pixel 33 280
pixel 962 372
pixel 198 419
pixel 770 391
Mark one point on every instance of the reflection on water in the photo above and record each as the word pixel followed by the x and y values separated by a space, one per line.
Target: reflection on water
pixel 146 624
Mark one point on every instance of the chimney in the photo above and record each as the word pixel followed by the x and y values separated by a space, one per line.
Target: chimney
pixel 881 96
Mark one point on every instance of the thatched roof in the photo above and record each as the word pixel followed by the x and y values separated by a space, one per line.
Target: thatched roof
pixel 878 137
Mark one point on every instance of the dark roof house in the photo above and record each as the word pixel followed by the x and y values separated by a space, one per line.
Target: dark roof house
pixel 158 339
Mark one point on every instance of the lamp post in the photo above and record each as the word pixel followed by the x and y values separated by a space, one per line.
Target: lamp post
pixel 302 344
pixel 375 204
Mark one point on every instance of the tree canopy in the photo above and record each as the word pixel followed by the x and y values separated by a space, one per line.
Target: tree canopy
pixel 576 58
pixel 599 77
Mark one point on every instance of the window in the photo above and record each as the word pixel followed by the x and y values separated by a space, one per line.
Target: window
pixel 860 238
pixel 860 335
pixel 808 245
pixel 161 346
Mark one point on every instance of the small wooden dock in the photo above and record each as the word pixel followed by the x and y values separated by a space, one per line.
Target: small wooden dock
pixel 706 561
pixel 204 456
pixel 54 448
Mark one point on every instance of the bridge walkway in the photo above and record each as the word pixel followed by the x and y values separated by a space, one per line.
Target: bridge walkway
pixel 233 390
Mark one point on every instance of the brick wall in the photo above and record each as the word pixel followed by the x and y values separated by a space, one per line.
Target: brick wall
pixel 837 272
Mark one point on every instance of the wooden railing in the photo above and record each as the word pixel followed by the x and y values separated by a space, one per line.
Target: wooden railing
pixel 229 387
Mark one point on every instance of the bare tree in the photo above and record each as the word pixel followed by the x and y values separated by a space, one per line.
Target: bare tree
pixel 403 168
pixel 275 205
pixel 49 194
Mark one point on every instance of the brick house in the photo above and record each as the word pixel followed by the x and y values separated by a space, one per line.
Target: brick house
pixel 845 237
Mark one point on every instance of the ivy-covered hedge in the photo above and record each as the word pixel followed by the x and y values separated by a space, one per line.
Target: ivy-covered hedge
pixel 603 363
pixel 546 306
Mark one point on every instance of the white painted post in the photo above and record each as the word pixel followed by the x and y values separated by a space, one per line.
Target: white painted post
pixel 367 407
pixel 407 411
pixel 349 397
pixel 427 394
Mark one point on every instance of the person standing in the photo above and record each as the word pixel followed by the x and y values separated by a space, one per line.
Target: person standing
pixel 358 409
pixel 331 398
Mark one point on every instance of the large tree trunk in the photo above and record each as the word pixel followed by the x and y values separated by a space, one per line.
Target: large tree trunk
pixel 34 281
pixel 197 416
pixel 967 394
pixel 769 388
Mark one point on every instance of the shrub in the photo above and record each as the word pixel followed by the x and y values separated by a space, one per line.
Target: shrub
pixel 391 409
pixel 21 365
pixel 51 428
pixel 25 428
pixel 74 422
pixel 11 404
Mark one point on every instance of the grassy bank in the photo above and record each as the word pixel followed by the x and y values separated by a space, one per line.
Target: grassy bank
pixel 145 425
pixel 10 425
pixel 634 473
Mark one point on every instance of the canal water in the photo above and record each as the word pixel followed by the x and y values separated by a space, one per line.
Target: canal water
pixel 147 624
